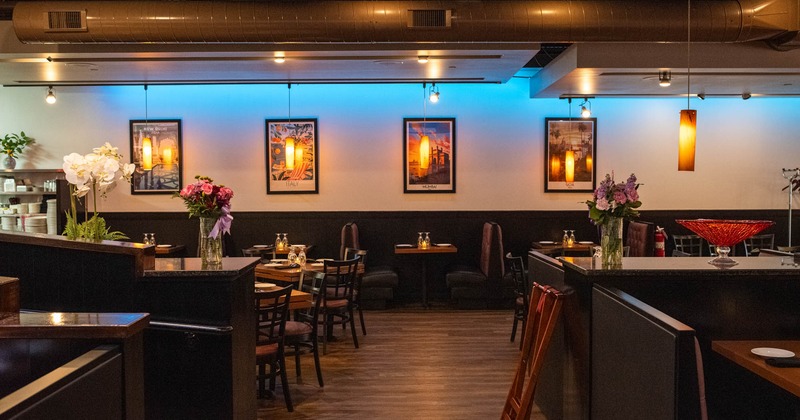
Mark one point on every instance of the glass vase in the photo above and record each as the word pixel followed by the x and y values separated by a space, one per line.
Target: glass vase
pixel 210 248
pixel 611 243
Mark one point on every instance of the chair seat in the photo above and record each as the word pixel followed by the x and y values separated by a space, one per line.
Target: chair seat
pixel 336 293
pixel 336 303
pixel 266 350
pixel 294 328
pixel 520 302
pixel 465 277
pixel 380 279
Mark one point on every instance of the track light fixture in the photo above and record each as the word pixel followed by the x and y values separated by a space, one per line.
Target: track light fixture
pixel 51 97
pixel 746 96
pixel 664 78
pixel 586 108
pixel 434 94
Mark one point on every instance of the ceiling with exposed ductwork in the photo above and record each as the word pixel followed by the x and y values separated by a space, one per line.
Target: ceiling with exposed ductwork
pixel 744 47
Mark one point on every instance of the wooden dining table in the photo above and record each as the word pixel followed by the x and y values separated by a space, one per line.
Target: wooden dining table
pixel 554 249
pixel 401 249
pixel 738 351
pixel 289 275
pixel 298 299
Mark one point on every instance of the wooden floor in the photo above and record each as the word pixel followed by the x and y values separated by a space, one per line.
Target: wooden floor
pixel 413 364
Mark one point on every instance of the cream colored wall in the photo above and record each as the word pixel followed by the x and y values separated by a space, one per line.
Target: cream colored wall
pixel 742 145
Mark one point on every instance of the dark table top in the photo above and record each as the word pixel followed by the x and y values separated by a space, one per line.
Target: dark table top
pixel 683 265
pixel 71 324
pixel 186 267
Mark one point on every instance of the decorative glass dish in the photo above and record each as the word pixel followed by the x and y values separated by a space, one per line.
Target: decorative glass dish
pixel 725 234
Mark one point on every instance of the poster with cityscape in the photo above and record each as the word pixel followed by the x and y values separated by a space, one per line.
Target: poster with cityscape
pixel 569 154
pixel 429 155
pixel 156 152
pixel 292 161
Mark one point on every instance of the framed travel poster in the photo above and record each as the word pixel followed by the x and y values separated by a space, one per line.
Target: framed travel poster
pixel 570 154
pixel 292 158
pixel 156 152
pixel 429 155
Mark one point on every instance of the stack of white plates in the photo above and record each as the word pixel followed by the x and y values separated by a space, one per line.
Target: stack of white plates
pixel 8 222
pixel 36 224
pixel 52 217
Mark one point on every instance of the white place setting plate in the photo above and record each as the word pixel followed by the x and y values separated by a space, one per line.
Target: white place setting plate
pixel 771 352
pixel 279 260
pixel 585 242
pixel 317 264
pixel 260 246
pixel 274 264
pixel 264 285
pixel 163 246
pixel 546 242
pixel 444 244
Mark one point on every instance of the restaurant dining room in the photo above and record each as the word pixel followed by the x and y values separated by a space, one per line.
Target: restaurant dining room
pixel 399 210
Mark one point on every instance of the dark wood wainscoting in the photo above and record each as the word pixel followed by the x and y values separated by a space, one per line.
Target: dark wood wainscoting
pixel 379 230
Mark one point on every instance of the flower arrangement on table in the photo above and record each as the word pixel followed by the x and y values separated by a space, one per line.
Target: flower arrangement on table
pixel 96 173
pixel 212 204
pixel 611 204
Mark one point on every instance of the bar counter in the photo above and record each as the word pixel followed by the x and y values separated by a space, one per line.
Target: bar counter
pixel 199 347
pixel 754 300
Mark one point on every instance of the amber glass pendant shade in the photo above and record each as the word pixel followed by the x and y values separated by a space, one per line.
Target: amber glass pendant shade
pixel 686 141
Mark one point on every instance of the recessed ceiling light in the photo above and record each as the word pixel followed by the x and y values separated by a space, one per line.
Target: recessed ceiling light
pixel 422 59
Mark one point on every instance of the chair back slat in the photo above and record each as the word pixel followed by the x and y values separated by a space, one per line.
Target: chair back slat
pixel 690 244
pixel 314 284
pixel 341 275
pixel 272 309
pixel 545 305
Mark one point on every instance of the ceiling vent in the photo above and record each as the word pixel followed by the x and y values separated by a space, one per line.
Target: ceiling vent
pixel 429 19
pixel 66 21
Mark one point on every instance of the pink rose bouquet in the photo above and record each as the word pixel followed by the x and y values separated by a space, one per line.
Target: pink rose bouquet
pixel 204 199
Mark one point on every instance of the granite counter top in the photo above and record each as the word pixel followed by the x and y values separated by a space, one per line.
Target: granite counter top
pixel 634 266
pixel 71 324
pixel 193 267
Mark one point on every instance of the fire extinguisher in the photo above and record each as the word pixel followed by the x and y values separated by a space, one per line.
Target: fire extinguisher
pixel 661 238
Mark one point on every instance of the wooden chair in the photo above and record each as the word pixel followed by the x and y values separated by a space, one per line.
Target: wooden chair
pixel 272 309
pixel 690 244
pixel 337 308
pixel 754 244
pixel 517 269
pixel 546 302
pixel 303 330
pixel 265 253
pixel 362 253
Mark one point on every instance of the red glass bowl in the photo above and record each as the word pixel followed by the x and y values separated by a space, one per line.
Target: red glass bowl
pixel 725 232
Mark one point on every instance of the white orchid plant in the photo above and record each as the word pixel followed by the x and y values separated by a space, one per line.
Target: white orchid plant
pixel 96 173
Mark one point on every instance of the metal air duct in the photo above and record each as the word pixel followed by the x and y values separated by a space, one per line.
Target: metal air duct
pixel 388 22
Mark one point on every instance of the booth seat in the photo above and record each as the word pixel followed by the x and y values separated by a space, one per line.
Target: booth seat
pixel 487 285
pixel 379 282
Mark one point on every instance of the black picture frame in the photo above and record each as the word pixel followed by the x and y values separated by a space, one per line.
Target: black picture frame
pixel 564 135
pixel 157 153
pixel 437 174
pixel 299 179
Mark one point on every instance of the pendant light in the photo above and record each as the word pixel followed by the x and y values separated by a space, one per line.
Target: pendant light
pixel 51 97
pixel 688 125
pixel 147 142
pixel 289 148
pixel 424 140
pixel 569 155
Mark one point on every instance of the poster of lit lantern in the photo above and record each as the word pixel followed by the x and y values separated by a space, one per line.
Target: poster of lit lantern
pixel 429 155
pixel 570 148
pixel 156 152
pixel 292 159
